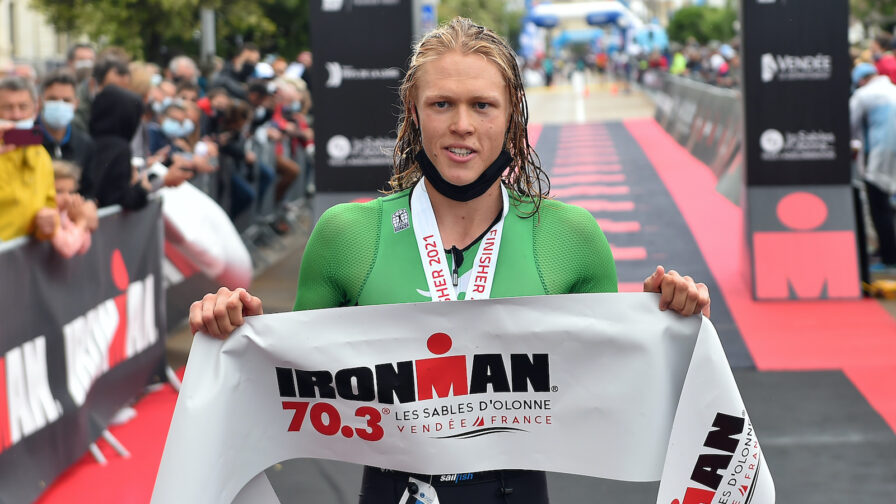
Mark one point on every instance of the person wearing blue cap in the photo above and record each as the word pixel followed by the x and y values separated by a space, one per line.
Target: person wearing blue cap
pixel 872 110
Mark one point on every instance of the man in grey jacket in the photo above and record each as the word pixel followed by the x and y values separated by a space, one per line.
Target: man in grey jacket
pixel 872 111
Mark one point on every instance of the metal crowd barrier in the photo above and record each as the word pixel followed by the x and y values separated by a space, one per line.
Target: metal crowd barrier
pixel 706 120
pixel 255 223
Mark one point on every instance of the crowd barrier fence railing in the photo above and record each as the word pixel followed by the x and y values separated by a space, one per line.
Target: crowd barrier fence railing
pixel 708 121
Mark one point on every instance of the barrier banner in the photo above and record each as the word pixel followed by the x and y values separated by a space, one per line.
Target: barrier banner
pixel 79 340
pixel 361 48
pixel 665 101
pixel 685 112
pixel 604 385
pixel 796 68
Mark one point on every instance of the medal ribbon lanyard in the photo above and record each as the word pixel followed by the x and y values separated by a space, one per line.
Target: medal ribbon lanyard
pixel 432 252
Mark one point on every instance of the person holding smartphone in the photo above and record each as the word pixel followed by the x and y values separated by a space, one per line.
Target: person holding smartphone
pixel 27 194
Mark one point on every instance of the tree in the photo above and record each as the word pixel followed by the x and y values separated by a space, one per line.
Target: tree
pixel 156 30
pixel 489 13
pixel 292 32
pixel 874 12
pixel 702 23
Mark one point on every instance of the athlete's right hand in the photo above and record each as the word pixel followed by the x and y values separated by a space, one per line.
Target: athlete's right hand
pixel 221 313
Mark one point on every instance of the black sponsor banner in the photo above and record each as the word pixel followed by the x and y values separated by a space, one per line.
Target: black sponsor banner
pixel 796 91
pixel 81 337
pixel 801 230
pixel 361 48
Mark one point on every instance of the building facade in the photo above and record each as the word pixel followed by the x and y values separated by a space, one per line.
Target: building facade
pixel 26 36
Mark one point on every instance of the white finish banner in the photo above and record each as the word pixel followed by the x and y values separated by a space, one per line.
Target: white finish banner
pixel 603 385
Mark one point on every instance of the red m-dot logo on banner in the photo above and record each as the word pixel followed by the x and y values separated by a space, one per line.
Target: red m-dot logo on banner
pixel 807 257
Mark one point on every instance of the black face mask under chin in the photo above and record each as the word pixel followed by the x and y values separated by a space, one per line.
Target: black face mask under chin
pixel 465 192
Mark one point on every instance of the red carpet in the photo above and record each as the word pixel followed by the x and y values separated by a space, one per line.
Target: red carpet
pixel 121 481
pixel 858 337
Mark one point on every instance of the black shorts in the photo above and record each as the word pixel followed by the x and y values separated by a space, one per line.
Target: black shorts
pixel 383 486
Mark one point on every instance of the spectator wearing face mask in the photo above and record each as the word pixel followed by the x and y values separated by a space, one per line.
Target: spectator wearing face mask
pixel 27 195
pixel 289 116
pixel 172 130
pixel 294 103
pixel 80 61
pixel 205 150
pixel 58 103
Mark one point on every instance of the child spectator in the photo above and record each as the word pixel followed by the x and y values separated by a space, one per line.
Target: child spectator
pixel 73 235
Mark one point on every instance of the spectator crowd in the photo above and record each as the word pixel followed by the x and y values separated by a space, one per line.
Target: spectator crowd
pixel 715 63
pixel 872 110
pixel 105 130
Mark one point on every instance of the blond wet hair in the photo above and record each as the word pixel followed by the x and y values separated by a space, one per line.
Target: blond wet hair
pixel 525 175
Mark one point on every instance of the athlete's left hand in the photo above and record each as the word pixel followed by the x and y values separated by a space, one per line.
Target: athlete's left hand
pixel 679 293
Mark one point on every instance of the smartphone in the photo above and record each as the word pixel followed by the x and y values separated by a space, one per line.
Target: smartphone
pixel 22 137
